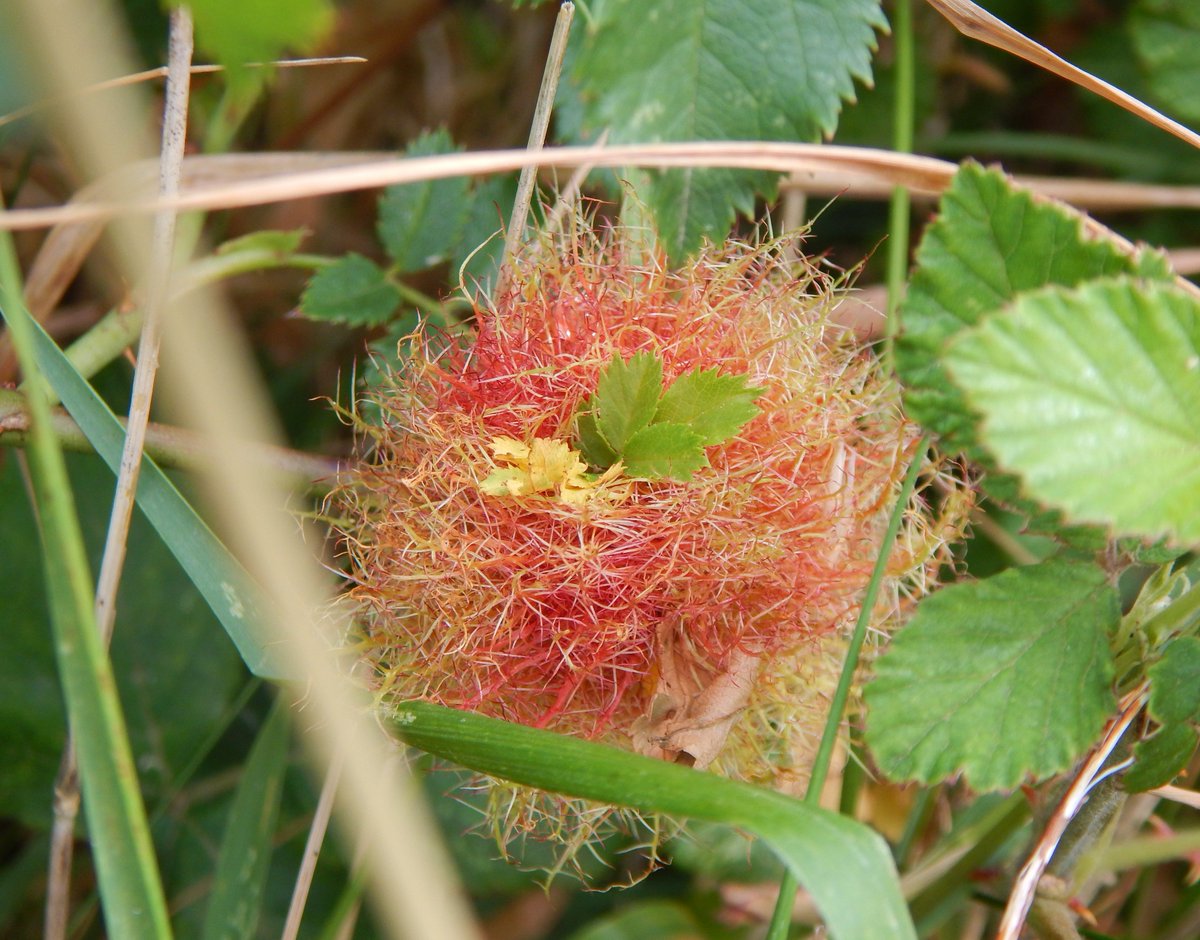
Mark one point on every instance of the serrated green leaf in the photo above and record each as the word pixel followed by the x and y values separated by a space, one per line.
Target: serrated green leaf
pixel 592 445
pixel 674 70
pixel 353 290
pixel 626 397
pixel 1160 759
pixel 1000 679
pixel 420 224
pixel 1165 36
pixel 990 242
pixel 1175 682
pixel 1093 397
pixel 276 241
pixel 673 451
pixel 713 405
pixel 845 867
pixel 236 32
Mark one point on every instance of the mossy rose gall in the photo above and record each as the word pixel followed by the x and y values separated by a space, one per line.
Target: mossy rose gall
pixel 639 505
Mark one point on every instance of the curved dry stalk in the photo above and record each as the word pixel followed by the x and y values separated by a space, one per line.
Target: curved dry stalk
pixel 226 181
pixel 973 21
pixel 1026 884
pixel 923 174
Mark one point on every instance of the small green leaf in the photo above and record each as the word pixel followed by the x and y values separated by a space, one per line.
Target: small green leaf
pixel 1093 397
pixel 713 405
pixel 1000 679
pixel 1175 682
pixel 1160 759
pixel 353 290
pixel 275 241
pixel 990 242
pixel 420 224
pixel 236 32
pixel 592 444
pixel 626 397
pixel 664 450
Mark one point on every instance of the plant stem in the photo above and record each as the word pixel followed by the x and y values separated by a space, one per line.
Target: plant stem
pixel 781 917
pixel 537 138
pixel 902 142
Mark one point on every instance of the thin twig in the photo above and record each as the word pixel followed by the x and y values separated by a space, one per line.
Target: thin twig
pixel 173 447
pixel 537 139
pixel 312 850
pixel 1026 884
pixel 161 72
pixel 973 21
pixel 66 789
pixel 179 57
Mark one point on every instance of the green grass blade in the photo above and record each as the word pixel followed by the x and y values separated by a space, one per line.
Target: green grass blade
pixel 134 906
pixel 846 867
pixel 220 578
pixel 245 856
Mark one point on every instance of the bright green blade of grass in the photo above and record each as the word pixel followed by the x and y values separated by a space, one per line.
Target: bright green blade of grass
pixel 845 866
pixel 220 578
pixel 242 866
pixel 130 886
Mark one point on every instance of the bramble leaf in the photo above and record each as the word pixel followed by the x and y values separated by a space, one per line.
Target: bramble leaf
pixel 999 679
pixel 990 242
pixel 1160 759
pixel 626 397
pixel 353 290
pixel 1175 682
pixel 1093 397
pixel 664 450
pixel 1175 704
pixel 421 224
pixel 675 70
pixel 713 405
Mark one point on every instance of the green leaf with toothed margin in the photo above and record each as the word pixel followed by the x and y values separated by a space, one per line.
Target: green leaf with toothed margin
pixel 626 397
pixel 846 868
pixel 999 679
pixel 1092 397
pixel 991 241
pixel 676 70
pixel 353 290
pixel 713 405
pixel 664 450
